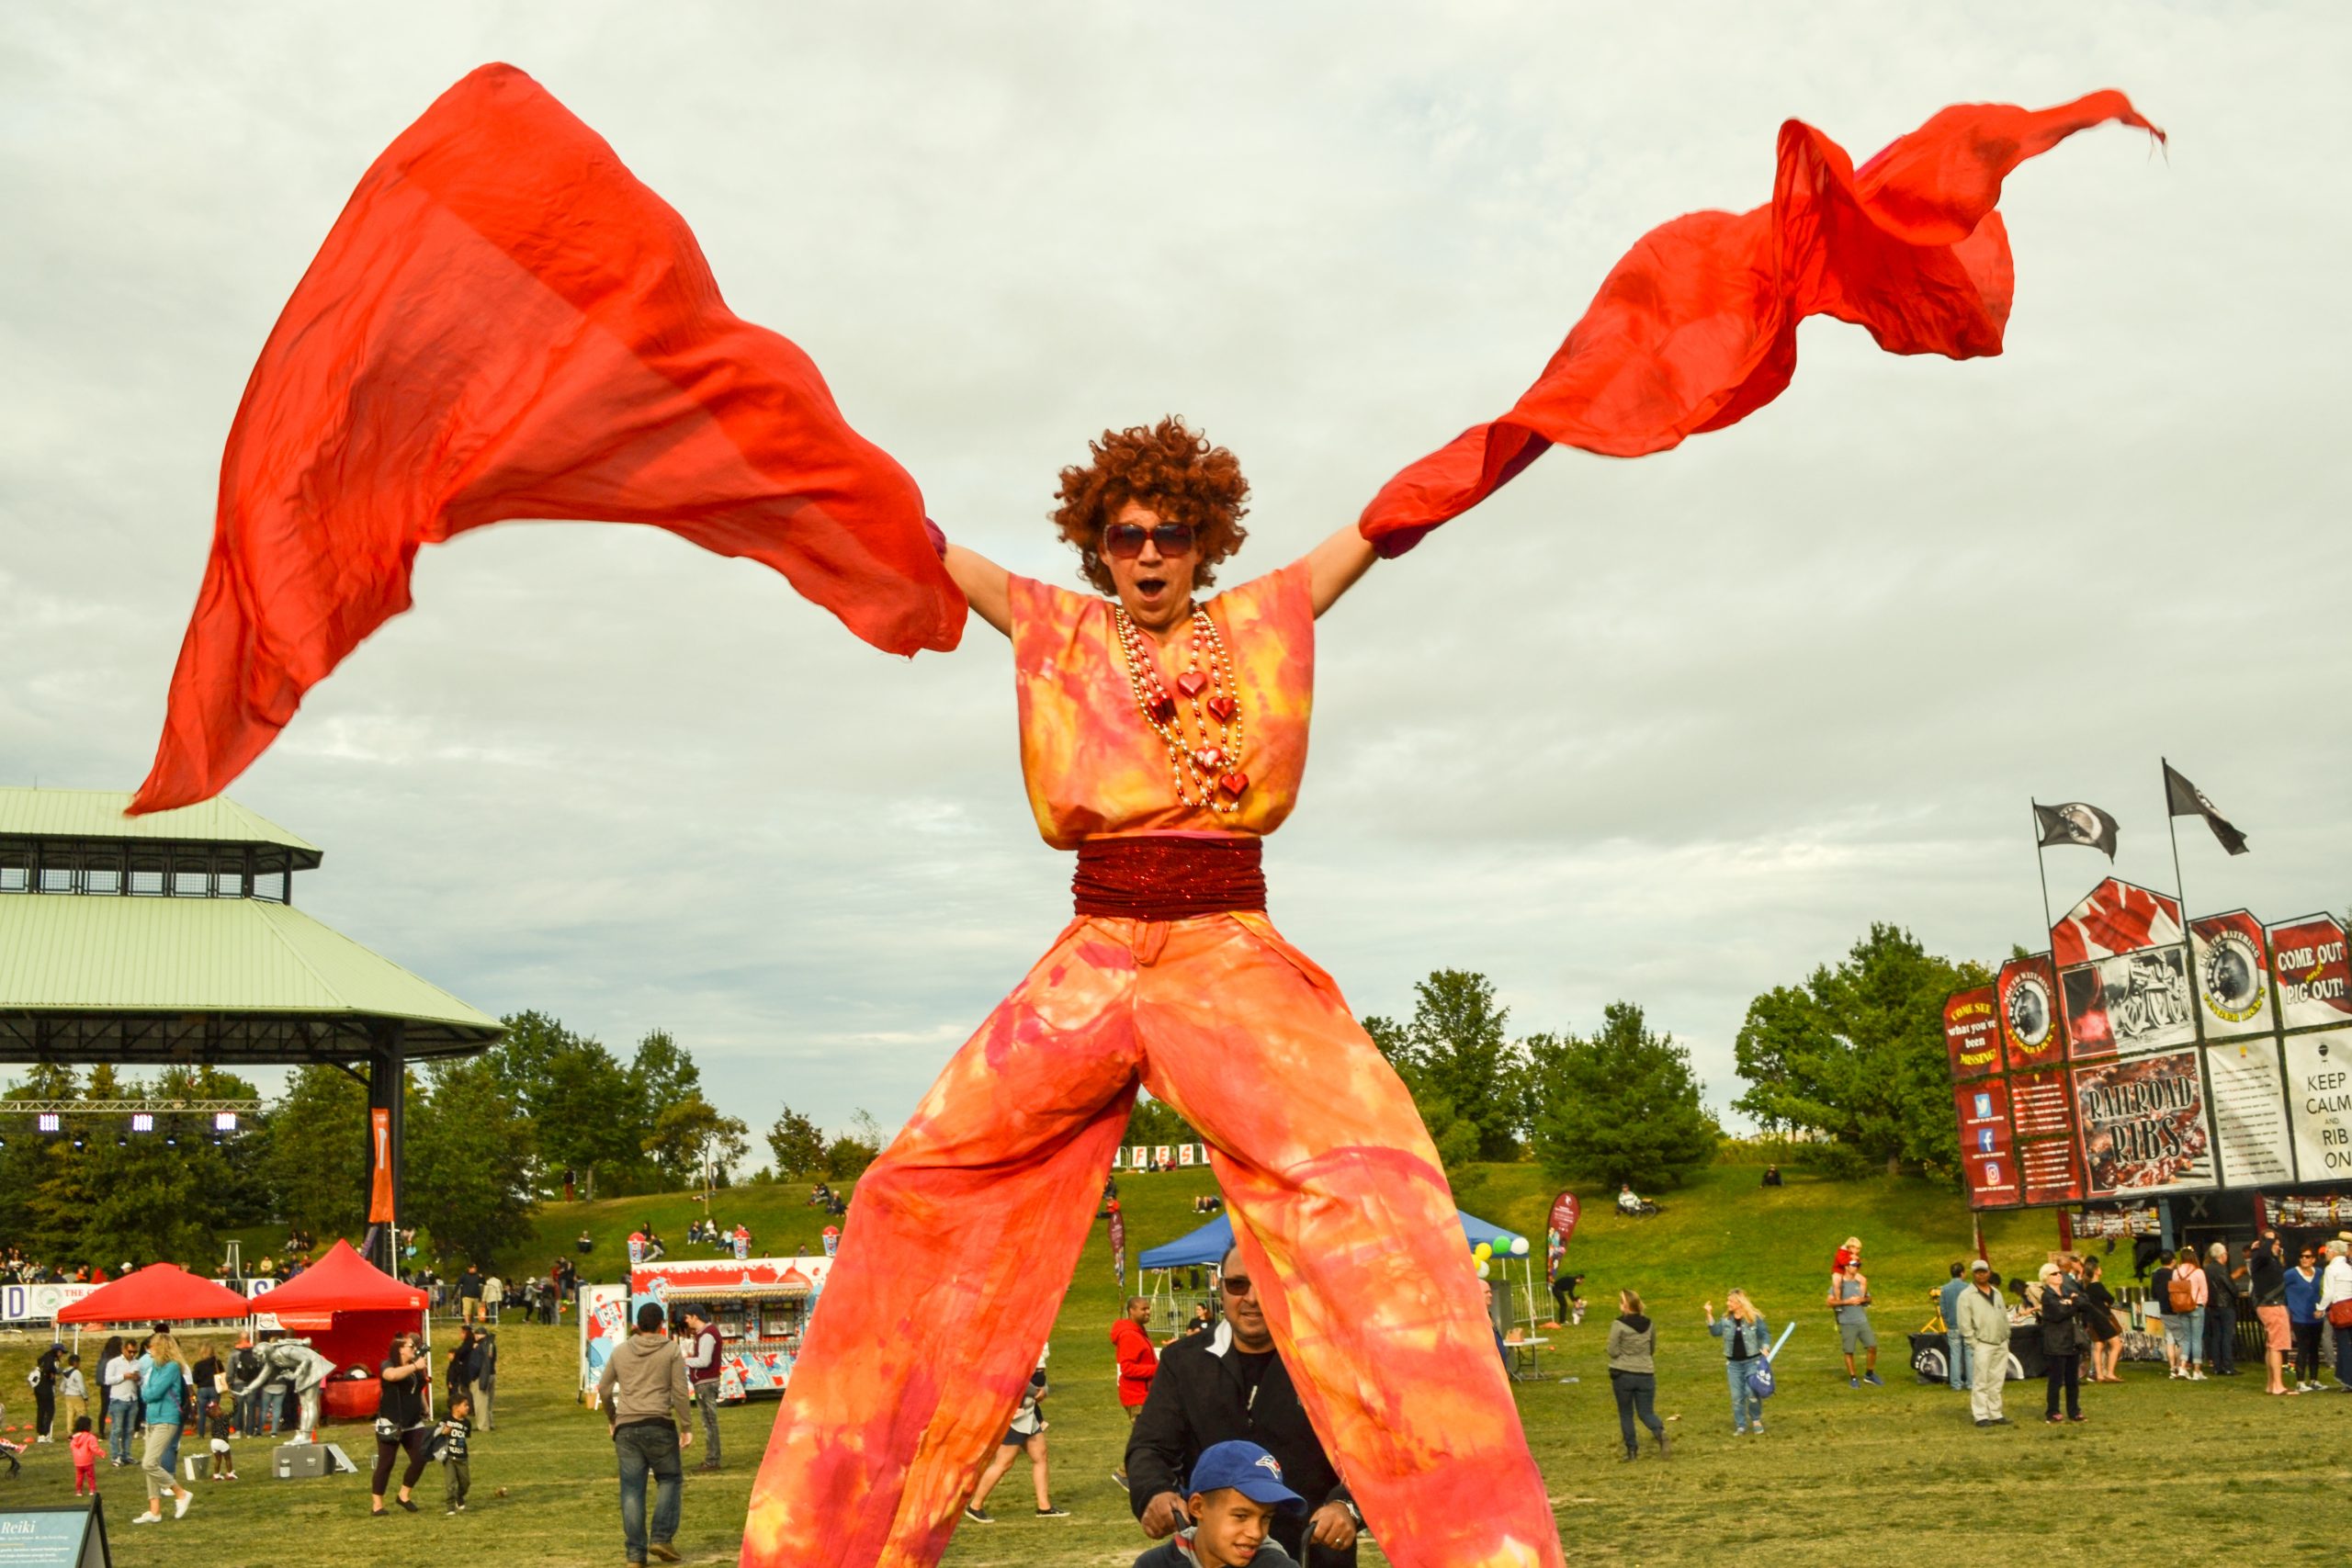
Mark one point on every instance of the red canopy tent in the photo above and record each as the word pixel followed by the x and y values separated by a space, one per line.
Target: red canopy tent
pixel 349 1310
pixel 161 1292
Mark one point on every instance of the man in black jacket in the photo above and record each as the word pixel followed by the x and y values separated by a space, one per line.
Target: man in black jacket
pixel 1229 1386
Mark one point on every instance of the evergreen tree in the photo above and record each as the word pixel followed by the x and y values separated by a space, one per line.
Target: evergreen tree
pixel 1621 1106
pixel 798 1145
pixel 1457 1047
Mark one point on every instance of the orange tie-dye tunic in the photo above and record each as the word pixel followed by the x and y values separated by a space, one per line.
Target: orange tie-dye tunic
pixel 1095 768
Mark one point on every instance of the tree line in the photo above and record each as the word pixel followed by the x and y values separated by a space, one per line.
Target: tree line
pixel 1851 1057
pixel 546 1113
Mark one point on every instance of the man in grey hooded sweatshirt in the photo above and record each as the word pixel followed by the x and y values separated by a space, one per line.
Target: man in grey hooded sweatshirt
pixel 650 1410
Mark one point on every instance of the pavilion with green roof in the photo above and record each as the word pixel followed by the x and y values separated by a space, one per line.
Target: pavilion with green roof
pixel 174 939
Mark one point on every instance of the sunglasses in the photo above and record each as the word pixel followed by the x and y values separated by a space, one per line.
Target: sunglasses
pixel 1236 1284
pixel 1125 540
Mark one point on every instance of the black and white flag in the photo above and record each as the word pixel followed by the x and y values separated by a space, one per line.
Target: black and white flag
pixel 2076 822
pixel 2184 799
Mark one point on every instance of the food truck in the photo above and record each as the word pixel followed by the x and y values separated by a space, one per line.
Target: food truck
pixel 759 1306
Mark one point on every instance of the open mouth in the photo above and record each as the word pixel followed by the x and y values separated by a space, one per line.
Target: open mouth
pixel 1150 587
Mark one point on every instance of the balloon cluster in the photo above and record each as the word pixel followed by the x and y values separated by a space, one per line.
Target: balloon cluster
pixel 1501 1247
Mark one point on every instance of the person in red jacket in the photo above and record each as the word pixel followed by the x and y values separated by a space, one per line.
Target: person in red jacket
pixel 1137 1362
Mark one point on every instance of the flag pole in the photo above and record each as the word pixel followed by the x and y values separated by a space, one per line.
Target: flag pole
pixel 2039 865
pixel 2172 831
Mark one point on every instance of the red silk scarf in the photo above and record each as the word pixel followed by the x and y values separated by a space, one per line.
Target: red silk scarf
pixel 1696 328
pixel 506 323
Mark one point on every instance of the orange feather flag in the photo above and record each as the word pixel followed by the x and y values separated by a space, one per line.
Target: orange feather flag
pixel 1696 328
pixel 506 323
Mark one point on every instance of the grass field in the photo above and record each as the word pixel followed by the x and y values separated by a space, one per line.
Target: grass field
pixel 1895 1475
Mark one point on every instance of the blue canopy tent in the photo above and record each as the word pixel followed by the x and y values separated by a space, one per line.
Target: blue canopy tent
pixel 1213 1241
pixel 1208 1245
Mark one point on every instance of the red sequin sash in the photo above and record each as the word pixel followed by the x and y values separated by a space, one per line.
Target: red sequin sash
pixel 1157 877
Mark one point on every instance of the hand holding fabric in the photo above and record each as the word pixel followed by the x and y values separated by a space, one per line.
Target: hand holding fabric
pixel 1696 328
pixel 506 323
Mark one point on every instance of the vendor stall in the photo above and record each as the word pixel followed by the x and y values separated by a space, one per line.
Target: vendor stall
pixel 348 1310
pixel 759 1306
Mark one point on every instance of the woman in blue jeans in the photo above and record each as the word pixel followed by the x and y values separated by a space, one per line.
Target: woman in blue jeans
pixel 1633 1372
pixel 1745 1340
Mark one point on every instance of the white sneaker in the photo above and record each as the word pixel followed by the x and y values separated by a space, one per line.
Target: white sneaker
pixel 2197 1377
pixel 147 1519
pixel 179 1509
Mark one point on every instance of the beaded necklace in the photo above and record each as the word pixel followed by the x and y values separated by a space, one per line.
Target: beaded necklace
pixel 1208 775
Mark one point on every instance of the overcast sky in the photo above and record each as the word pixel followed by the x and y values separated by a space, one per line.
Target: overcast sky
pixel 1673 730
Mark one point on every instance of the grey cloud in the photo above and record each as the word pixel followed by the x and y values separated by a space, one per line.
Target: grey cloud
pixel 1675 729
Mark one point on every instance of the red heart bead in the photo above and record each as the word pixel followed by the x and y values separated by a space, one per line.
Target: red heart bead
pixel 1224 707
pixel 1233 784
pixel 1160 704
pixel 1191 682
pixel 1210 759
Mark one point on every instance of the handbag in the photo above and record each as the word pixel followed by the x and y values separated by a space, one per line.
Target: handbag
pixel 2339 1313
pixel 1760 1381
pixel 387 1429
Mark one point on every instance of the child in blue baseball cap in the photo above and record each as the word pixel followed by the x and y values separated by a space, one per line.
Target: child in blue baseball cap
pixel 1236 1489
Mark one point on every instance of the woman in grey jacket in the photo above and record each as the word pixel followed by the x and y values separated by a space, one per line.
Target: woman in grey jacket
pixel 1633 1372
pixel 1745 1341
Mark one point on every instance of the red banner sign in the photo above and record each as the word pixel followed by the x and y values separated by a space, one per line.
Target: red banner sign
pixel 2027 997
pixel 1563 1223
pixel 1987 1159
pixel 1971 1034
pixel 380 1186
pixel 2315 981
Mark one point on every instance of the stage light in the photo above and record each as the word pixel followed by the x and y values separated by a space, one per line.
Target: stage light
pixel 77 1143
pixel 142 1121
pixel 122 1140
pixel 50 1121
pixel 171 1140
pixel 224 1121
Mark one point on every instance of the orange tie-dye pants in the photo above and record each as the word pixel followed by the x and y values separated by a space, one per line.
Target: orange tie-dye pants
pixel 965 1234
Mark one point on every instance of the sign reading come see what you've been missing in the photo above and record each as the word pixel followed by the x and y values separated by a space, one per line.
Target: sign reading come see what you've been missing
pixel 2144 1054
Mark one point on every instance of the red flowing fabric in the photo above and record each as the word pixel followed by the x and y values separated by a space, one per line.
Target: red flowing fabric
pixel 1696 328
pixel 506 323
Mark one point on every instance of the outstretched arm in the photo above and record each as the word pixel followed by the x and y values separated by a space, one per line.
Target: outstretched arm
pixel 1332 568
pixel 989 586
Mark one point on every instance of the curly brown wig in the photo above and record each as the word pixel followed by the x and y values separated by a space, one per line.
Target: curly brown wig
pixel 1168 468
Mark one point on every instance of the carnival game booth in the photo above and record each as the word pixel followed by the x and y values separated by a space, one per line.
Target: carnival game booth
pixel 349 1311
pixel 761 1307
pixel 1495 1250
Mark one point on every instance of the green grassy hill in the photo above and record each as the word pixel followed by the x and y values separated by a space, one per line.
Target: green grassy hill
pixel 1894 1476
